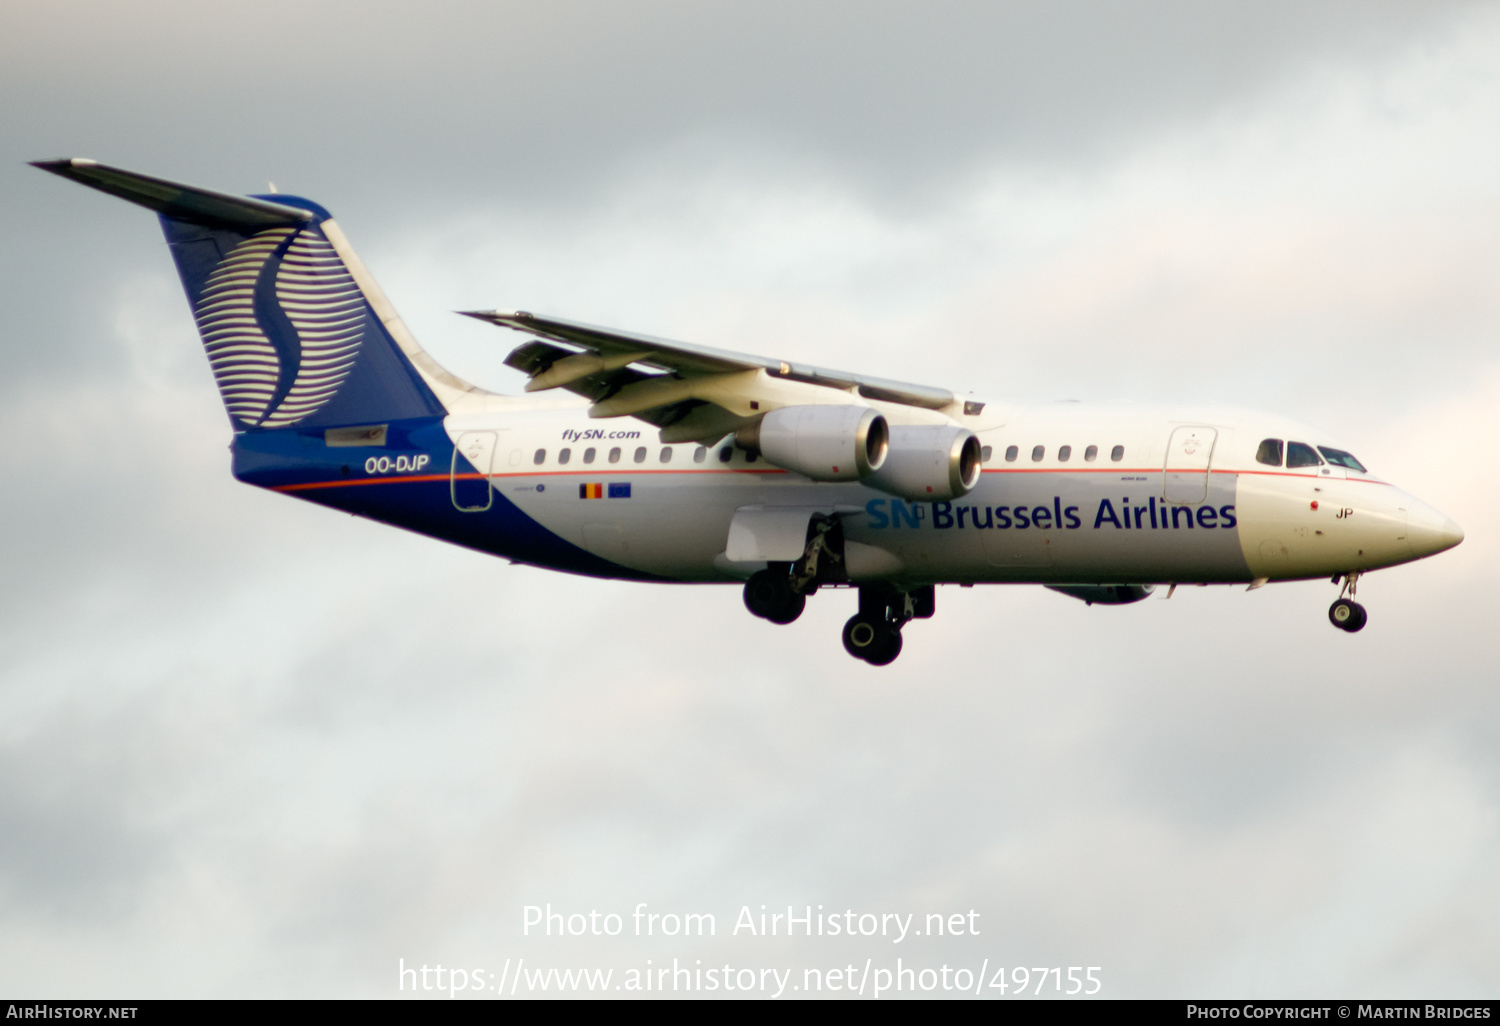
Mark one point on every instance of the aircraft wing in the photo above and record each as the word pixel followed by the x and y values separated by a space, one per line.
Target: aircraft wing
pixel 690 391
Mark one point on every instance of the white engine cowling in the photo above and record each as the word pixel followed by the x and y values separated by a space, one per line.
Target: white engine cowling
pixel 826 443
pixel 929 463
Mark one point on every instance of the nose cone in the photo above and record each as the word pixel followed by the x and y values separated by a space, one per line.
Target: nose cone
pixel 1429 532
pixel 1452 534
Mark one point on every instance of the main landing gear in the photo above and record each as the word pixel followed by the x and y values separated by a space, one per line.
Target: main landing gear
pixel 779 594
pixel 874 633
pixel 1347 614
pixel 769 594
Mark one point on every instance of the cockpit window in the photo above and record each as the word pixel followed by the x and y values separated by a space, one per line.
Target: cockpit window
pixel 1269 452
pixel 1300 454
pixel 1340 458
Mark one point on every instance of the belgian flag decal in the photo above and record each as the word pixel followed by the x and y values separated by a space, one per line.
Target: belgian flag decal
pixel 594 490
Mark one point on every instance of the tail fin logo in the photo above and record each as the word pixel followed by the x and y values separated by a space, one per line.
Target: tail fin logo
pixel 282 321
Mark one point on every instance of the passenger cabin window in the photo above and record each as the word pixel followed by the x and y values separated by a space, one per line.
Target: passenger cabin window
pixel 751 455
pixel 1011 452
pixel 540 457
pixel 1117 453
pixel 1340 458
pixel 1269 452
pixel 700 454
pixel 1064 454
pixel 1091 453
pixel 588 455
pixel 666 454
pixel 1300 454
pixel 614 455
pixel 564 455
pixel 640 454
pixel 985 453
pixel 726 453
pixel 1037 453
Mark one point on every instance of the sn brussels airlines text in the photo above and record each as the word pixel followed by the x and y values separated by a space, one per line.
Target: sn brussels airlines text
pixel 1149 515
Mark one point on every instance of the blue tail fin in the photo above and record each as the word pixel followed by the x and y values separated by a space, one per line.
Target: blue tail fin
pixel 296 331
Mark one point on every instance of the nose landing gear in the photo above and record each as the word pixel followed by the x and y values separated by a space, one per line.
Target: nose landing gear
pixel 1347 614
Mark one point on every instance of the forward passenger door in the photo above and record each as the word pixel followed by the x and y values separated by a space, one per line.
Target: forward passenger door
pixel 1189 454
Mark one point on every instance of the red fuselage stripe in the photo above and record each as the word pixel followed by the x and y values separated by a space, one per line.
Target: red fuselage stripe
pixel 591 472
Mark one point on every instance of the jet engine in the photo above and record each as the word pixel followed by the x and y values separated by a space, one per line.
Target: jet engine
pixel 826 443
pixel 929 463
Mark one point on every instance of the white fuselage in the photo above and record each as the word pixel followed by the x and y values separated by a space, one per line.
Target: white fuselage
pixel 1139 495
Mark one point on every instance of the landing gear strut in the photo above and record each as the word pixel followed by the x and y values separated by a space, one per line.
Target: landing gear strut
pixel 779 592
pixel 1347 614
pixel 874 633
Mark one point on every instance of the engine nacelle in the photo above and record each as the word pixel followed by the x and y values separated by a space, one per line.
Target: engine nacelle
pixel 929 463
pixel 826 443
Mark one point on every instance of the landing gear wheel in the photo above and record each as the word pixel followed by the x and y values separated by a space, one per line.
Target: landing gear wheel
pixel 1347 615
pixel 1360 619
pixel 860 635
pixel 877 642
pixel 769 595
pixel 789 610
pixel 888 647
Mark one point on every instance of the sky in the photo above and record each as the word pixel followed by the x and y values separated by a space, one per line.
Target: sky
pixel 250 747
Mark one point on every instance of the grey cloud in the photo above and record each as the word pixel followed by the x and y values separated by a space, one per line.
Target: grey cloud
pixel 460 105
pixel 407 784
pixel 470 96
pixel 254 747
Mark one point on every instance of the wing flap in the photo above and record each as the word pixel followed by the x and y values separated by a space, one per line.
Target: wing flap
pixel 580 373
pixel 659 352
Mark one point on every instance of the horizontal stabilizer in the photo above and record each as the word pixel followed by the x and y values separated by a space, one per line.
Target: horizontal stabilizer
pixel 180 202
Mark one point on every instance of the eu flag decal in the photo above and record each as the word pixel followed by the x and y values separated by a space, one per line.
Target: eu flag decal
pixel 619 490
pixel 591 491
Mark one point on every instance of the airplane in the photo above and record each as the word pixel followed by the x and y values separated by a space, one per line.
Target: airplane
pixel 639 458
